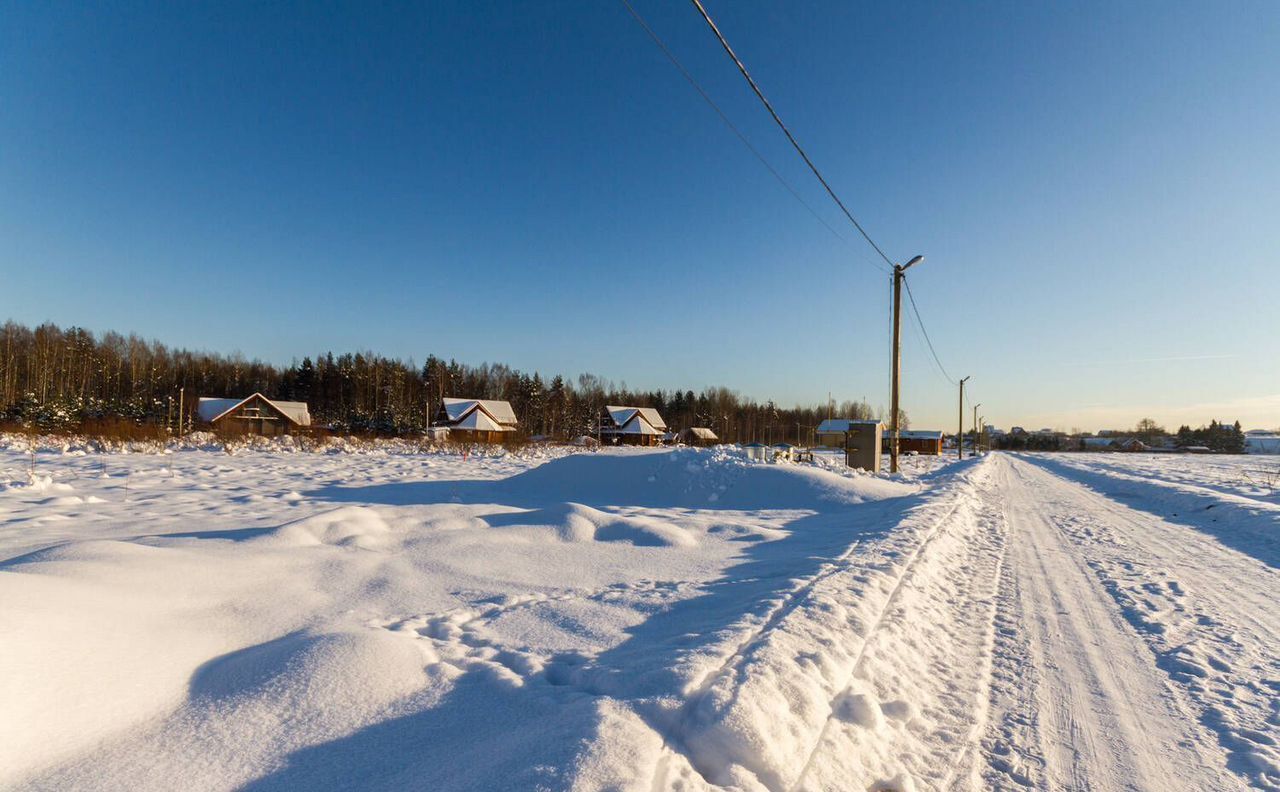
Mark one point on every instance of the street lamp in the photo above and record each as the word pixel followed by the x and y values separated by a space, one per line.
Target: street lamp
pixel 899 273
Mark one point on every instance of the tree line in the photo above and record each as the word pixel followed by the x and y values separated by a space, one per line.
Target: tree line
pixel 56 379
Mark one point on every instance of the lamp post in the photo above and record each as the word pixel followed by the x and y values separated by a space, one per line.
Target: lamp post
pixel 899 274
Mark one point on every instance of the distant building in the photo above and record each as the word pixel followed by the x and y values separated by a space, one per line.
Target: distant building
pixel 477 420
pixel 1261 443
pixel 698 436
pixel 925 442
pixel 255 414
pixel 631 426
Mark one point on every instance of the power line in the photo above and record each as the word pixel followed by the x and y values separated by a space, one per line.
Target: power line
pixel 760 94
pixel 711 103
pixel 916 312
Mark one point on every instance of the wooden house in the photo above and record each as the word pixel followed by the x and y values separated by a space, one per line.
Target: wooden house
pixel 477 420
pixel 631 426
pixel 916 441
pixel 255 414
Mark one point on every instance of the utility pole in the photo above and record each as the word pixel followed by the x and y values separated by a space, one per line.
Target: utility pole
pixel 899 274
pixel 181 424
pixel 960 431
pixel 975 428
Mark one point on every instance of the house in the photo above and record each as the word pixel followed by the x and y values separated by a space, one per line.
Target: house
pixel 631 426
pixel 925 442
pixel 255 414
pixel 477 420
pixel 1096 443
pixel 698 436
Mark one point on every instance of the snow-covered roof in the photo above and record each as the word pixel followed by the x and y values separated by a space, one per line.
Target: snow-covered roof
pixel 498 413
pixel 833 425
pixel 637 426
pixel 651 415
pixel 920 434
pixel 702 433
pixel 635 420
pixel 210 409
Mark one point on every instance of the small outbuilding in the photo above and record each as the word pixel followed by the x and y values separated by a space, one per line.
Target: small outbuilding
pixel 698 436
pixel 631 426
pixel 918 441
pixel 477 420
pixel 861 440
pixel 254 414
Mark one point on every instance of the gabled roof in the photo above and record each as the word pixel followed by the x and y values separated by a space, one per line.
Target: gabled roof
pixel 701 432
pixel 919 434
pixel 479 413
pixel 635 420
pixel 211 409
pixel 843 424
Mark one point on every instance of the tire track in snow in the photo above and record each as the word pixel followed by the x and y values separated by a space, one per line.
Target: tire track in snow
pixel 939 528
pixel 1097 712
pixel 1205 612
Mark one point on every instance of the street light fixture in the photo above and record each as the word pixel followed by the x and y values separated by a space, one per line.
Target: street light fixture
pixel 899 273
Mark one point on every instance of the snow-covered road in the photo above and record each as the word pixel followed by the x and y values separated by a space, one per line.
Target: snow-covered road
pixel 637 621
pixel 1135 651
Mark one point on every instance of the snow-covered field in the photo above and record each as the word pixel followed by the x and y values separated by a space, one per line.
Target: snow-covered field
pixel 635 619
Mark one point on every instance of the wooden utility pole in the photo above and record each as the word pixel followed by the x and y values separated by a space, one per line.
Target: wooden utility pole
pixel 899 273
pixel 181 425
pixel 960 431
pixel 975 428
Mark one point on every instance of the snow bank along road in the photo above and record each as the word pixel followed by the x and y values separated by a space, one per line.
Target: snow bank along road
pixel 638 621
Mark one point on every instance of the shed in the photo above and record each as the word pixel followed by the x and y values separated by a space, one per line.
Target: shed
pixel 477 420
pixel 861 440
pixel 757 452
pixel 698 436
pixel 631 426
pixel 254 414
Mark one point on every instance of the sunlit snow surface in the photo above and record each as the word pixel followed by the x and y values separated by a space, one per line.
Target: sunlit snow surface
pixel 623 619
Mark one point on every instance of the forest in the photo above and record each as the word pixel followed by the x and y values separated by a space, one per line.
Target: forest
pixel 55 379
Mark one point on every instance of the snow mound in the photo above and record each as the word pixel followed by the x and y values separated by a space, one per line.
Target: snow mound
pixel 320 684
pixel 350 526
pixel 693 478
pixel 574 522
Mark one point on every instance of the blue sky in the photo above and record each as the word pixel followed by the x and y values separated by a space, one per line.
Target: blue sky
pixel 1095 186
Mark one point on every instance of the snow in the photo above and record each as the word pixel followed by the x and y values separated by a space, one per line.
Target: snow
pixel 499 411
pixel 210 409
pixel 633 619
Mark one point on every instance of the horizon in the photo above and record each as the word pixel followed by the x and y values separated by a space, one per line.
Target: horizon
pixel 541 187
pixel 572 377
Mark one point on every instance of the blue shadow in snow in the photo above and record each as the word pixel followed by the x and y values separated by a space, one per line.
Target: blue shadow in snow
pixel 1252 532
pixel 487 734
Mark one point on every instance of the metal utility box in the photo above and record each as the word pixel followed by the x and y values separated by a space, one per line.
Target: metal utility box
pixel 862 445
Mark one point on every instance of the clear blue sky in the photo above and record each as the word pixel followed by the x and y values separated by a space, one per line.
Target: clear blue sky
pixel 1096 187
